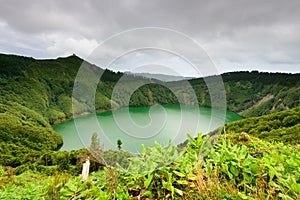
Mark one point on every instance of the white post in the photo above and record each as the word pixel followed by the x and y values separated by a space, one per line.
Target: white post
pixel 85 169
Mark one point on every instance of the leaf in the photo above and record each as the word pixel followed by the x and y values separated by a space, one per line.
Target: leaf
pixel 273 184
pixel 272 172
pixel 178 191
pixel 71 186
pixel 285 197
pixel 191 184
pixel 170 143
pixel 234 170
pixel 248 178
pixel 83 194
pixel 158 146
pixel 66 193
pixel 190 137
pixel 83 186
pixel 143 149
pixel 295 186
pixel 242 195
pixel 248 161
pixel 179 173
pixel 168 186
pixel 230 175
pixel 182 182
pixel 148 180
pixel 191 177
pixel 243 152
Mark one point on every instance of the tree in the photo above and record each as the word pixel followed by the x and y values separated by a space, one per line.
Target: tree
pixel 119 143
pixel 96 149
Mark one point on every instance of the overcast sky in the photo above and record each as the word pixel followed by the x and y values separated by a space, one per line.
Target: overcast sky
pixel 236 35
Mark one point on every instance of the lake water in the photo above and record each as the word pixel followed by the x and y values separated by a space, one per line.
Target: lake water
pixel 142 125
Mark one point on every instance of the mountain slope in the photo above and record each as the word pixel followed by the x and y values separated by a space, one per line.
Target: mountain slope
pixel 281 126
pixel 37 93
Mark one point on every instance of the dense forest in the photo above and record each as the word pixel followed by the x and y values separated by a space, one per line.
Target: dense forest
pixel 35 94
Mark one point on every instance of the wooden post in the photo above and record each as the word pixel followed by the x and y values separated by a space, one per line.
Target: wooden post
pixel 85 169
pixel 10 172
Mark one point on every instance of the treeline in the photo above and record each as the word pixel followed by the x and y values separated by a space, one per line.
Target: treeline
pixel 46 86
pixel 247 93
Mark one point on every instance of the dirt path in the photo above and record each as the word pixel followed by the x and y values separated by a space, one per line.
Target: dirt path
pixel 150 97
pixel 263 100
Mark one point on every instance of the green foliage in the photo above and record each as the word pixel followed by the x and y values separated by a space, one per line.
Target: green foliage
pixel 282 126
pixel 117 158
pixel 35 94
pixel 24 135
pixel 12 65
pixel 237 166
pixel 119 143
pixel 255 168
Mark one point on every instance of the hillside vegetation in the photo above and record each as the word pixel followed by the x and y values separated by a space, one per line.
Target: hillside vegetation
pixel 35 94
pixel 236 166
pixel 262 162
pixel 281 126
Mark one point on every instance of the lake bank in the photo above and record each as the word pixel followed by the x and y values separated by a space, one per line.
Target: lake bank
pixel 141 125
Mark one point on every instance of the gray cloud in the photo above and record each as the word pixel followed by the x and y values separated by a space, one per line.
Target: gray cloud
pixel 237 35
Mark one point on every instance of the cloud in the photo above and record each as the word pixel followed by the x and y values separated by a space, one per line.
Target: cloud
pixel 235 34
pixel 65 45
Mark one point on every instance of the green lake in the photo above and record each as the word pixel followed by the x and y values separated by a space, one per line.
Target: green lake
pixel 142 125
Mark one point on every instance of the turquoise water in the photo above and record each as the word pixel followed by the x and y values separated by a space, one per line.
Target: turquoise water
pixel 142 125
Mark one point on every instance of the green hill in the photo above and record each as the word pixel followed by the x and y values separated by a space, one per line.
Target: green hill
pixel 281 126
pixel 35 94
pixel 260 163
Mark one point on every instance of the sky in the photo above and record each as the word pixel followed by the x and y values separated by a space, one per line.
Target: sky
pixel 232 35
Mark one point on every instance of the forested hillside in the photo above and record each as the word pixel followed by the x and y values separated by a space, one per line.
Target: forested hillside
pixel 46 87
pixel 281 126
pixel 35 94
pixel 262 162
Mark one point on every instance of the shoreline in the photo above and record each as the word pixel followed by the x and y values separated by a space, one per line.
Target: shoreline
pixel 59 121
pixel 109 110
